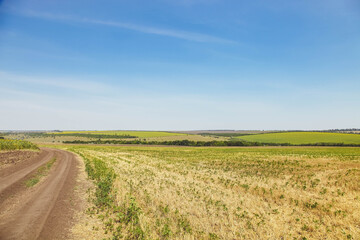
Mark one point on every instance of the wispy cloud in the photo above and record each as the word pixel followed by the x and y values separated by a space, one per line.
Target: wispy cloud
pixel 185 35
pixel 64 83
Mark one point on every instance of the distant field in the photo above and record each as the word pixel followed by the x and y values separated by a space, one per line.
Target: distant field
pixel 190 137
pixel 303 138
pixel 140 134
pixel 223 193
pixel 59 137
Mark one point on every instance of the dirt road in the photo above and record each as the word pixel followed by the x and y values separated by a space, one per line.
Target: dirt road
pixel 44 211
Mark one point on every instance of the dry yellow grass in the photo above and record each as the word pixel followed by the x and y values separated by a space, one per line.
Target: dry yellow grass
pixel 187 137
pixel 237 193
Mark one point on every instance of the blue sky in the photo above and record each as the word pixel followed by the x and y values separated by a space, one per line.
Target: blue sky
pixel 179 64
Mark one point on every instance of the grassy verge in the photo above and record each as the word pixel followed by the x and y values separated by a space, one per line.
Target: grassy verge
pixel 41 172
pixel 120 219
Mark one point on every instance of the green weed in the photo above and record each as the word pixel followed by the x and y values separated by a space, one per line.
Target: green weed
pixel 41 172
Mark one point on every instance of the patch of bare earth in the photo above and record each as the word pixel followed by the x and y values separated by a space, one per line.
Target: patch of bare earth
pixel 8 158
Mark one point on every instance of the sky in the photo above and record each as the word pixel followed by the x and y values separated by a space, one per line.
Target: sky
pixel 179 64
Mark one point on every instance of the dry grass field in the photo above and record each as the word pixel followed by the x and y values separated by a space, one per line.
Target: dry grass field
pixel 189 137
pixel 224 193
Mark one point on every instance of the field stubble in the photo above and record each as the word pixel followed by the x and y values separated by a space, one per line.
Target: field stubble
pixel 226 193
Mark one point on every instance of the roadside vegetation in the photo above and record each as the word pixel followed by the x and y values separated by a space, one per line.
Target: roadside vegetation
pixel 9 144
pixel 120 218
pixel 224 193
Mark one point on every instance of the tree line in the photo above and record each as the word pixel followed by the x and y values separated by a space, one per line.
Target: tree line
pixel 204 144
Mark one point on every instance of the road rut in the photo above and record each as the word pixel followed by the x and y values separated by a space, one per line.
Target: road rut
pixel 45 211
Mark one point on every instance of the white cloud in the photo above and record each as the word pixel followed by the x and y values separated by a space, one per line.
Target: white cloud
pixel 190 36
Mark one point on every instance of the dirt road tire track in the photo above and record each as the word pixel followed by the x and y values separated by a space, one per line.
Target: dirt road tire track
pixel 9 176
pixel 46 211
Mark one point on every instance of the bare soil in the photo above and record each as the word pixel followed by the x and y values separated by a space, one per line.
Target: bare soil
pixel 45 211
pixel 9 158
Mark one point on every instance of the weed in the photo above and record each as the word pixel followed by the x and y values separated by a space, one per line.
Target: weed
pixel 40 173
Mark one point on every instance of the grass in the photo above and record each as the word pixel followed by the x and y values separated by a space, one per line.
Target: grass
pixel 7 144
pixel 303 138
pixel 40 173
pixel 116 216
pixel 225 193
pixel 139 134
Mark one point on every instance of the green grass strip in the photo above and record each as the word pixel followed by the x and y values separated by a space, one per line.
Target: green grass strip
pixel 113 215
pixel 41 172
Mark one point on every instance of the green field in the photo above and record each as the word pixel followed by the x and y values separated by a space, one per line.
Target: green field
pixel 303 138
pixel 139 134
pixel 221 193
pixel 7 144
